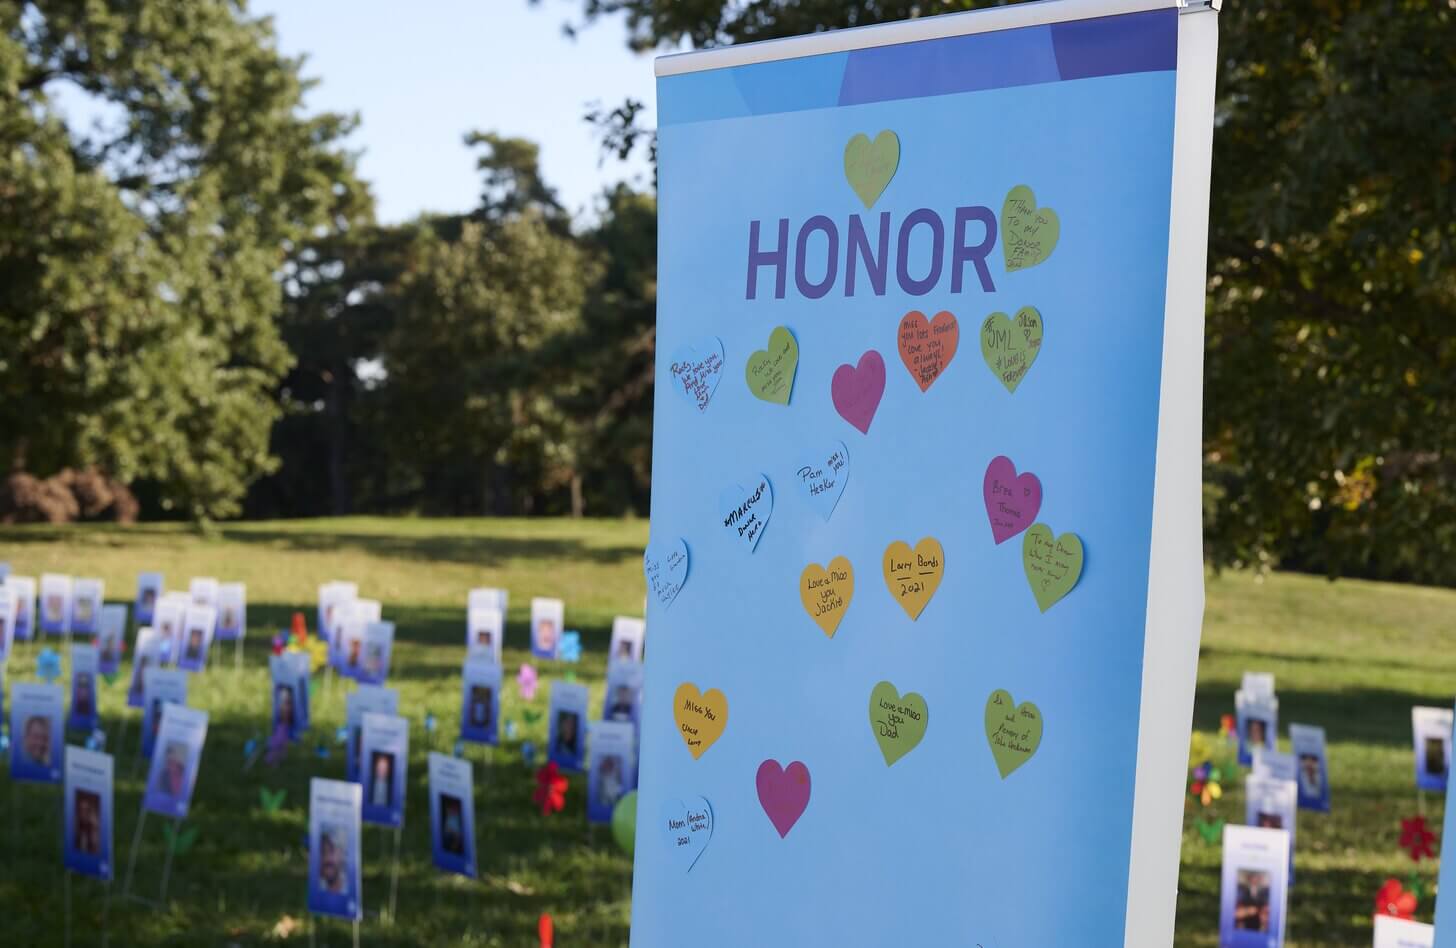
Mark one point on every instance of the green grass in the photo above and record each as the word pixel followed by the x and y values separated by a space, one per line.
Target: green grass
pixel 1351 656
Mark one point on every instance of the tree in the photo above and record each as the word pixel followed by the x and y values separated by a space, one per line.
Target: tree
pixel 1330 420
pixel 139 257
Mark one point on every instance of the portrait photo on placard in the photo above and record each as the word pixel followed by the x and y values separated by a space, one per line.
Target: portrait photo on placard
pixel 1254 887
pixel 452 814
pixel 378 648
pixel 568 717
pixel 485 634
pixel 85 669
pixel 87 833
pixel 363 700
pixel 622 700
pixel 384 748
pixel 1311 766
pixel 7 624
pixel 330 596
pixel 149 591
pixel 1257 719
pixel 86 598
pixel 1431 730
pixel 628 635
pixel 1272 803
pixel 22 590
pixel 283 676
pixel 198 624
pixel 176 755
pixel 36 734
pixel 232 611
pixel 334 813
pixel 480 702
pixel 171 610
pixel 146 654
pixel 111 638
pixel 613 770
pixel 485 597
pixel 203 590
pixel 547 620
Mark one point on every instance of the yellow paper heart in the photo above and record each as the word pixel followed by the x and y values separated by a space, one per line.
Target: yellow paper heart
pixel 826 592
pixel 913 576
pixel 700 717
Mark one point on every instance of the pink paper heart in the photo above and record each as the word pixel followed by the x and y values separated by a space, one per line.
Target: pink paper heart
pixel 1012 502
pixel 857 389
pixel 783 792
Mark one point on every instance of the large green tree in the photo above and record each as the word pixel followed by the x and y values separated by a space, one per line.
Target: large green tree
pixel 140 253
pixel 1330 425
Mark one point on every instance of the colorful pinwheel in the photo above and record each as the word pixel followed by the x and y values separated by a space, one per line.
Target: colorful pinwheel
pixel 551 786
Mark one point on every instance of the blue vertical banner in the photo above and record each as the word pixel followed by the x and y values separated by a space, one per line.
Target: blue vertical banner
pixel 925 551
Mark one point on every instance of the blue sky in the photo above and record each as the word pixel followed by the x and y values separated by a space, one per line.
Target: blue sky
pixel 420 75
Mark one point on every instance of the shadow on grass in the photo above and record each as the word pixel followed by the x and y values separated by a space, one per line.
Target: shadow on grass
pixel 1378 717
pixel 482 551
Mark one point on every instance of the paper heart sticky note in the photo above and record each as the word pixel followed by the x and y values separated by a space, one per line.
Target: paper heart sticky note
pixel 869 165
pixel 1028 233
pixel 665 564
pixel 913 576
pixel 1009 347
pixel 821 477
pixel 695 369
pixel 687 825
pixel 783 792
pixel 857 389
pixel 898 721
pixel 1012 500
pixel 1013 732
pixel 272 800
pixel 746 510
pixel 700 717
pixel 1053 564
pixel 770 371
pixel 826 592
pixel 927 346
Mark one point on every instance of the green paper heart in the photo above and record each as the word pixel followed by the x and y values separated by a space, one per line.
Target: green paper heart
pixel 770 372
pixel 869 165
pixel 1052 566
pixel 1014 733
pixel 530 716
pixel 899 722
pixel 1010 347
pixel 1028 233
pixel 1210 831
pixel 624 822
pixel 272 800
pixel 180 842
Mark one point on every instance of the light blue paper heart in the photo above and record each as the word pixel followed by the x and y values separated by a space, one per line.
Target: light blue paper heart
pixel 820 477
pixel 665 564
pixel 745 510
pixel 686 825
pixel 695 369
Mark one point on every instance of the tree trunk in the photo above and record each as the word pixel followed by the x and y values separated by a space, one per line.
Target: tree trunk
pixel 578 502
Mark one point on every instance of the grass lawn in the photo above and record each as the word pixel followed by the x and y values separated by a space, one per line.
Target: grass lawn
pixel 1351 656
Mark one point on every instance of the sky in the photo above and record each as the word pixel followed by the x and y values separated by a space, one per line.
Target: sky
pixel 421 75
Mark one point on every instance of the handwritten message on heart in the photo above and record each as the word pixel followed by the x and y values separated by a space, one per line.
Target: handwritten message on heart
pixel 1012 500
pixel 869 165
pixel 826 592
pixel 898 722
pixel 1013 732
pixel 857 389
pixel 746 510
pixel 927 346
pixel 770 371
pixel 665 564
pixel 687 825
pixel 700 717
pixel 1053 565
pixel 783 792
pixel 913 576
pixel 1011 346
pixel 821 477
pixel 695 369
pixel 1028 233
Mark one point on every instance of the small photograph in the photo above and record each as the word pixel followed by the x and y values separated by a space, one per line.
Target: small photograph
pixel 1431 733
pixel 22 590
pixel 568 715
pixel 149 590
pixel 452 817
pixel 480 701
pixel 485 634
pixel 175 759
pixel 452 824
pixel 232 623
pixel 1251 904
pixel 385 751
pixel 1311 776
pixel 478 706
pixel 35 740
pixel 1257 717
pixel 285 709
pixel 381 780
pixel 566 731
pixel 1270 821
pixel 365 699
pixel 547 616
pixel 333 874
pixel 36 732
pixel 627 638
pixel 613 768
pixel 1311 766
pixel 86 835
pixel 171 780
pixel 334 848
pixel 55 604
pixel 623 699
pixel 198 624
pixel 1435 756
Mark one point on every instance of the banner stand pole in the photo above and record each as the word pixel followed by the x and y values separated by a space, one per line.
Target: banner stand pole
pixel 356 933
pixel 106 917
pixel 167 863
pixel 68 908
pixel 394 875
pixel 121 735
pixel 131 859
pixel 238 653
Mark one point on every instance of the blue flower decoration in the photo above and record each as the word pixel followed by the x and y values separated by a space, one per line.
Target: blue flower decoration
pixel 323 751
pixel 4 743
pixel 430 723
pixel 510 729
pixel 341 736
pixel 528 753
pixel 48 664
pixel 250 746
pixel 460 749
pixel 569 648
pixel 96 740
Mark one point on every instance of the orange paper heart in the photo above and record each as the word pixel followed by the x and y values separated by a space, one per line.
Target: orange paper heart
pixel 926 348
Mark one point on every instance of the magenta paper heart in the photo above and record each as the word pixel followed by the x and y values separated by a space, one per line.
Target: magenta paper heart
pixel 784 791
pixel 857 389
pixel 1012 502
